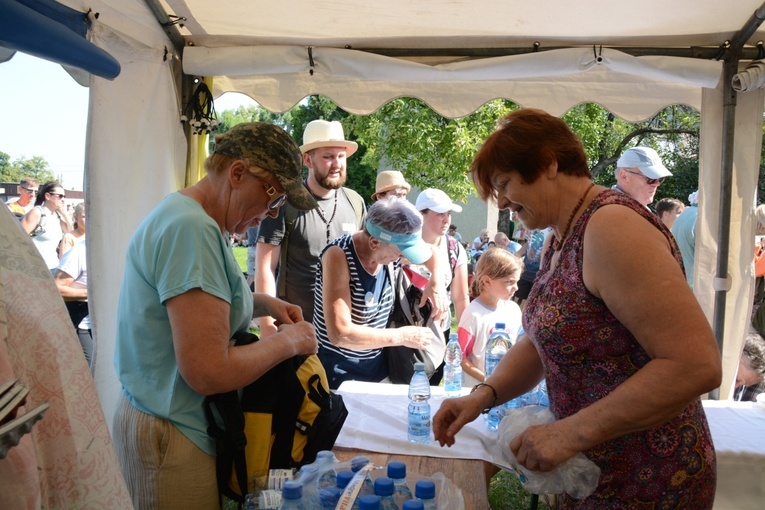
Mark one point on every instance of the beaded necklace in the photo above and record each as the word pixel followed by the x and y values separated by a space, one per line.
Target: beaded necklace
pixel 557 242
pixel 328 223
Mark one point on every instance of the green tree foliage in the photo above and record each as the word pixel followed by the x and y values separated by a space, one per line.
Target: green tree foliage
pixel 430 150
pixel 14 171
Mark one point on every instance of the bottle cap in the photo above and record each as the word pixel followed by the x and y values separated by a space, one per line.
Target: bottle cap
pixel 425 489
pixel 329 497
pixel 396 469
pixel 325 455
pixel 292 490
pixel 384 486
pixel 413 504
pixel 343 477
pixel 419 365
pixel 499 325
pixel 369 502
pixel 359 462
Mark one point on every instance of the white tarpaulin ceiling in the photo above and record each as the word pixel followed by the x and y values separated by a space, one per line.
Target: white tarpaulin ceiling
pixel 455 54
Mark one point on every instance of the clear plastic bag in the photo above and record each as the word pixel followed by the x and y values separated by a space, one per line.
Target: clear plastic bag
pixel 577 477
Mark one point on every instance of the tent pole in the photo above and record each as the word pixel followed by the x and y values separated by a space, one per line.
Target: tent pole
pixel 730 68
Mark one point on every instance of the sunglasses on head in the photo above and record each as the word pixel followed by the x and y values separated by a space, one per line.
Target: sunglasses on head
pixel 648 180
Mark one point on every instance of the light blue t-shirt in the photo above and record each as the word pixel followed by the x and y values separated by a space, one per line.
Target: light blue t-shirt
pixel 177 248
pixel 684 230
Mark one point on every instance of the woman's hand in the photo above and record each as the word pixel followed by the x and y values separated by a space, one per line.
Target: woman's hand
pixel 543 447
pixel 281 311
pixel 454 414
pixel 302 335
pixel 435 292
pixel 415 337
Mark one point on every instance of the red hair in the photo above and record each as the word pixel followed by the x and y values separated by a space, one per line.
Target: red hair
pixel 527 141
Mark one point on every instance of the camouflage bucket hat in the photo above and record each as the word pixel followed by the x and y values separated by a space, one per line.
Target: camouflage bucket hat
pixel 272 149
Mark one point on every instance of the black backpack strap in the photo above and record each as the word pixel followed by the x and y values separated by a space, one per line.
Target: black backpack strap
pixel 230 440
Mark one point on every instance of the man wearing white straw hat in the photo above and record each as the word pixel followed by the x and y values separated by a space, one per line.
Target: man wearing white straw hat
pixel 289 245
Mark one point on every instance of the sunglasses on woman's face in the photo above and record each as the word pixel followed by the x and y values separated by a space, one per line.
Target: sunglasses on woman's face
pixel 277 199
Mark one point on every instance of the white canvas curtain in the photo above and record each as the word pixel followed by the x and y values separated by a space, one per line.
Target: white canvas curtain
pixel 135 156
pixel 278 77
pixel 746 161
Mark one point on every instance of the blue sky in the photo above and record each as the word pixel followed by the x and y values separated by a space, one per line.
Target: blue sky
pixel 45 112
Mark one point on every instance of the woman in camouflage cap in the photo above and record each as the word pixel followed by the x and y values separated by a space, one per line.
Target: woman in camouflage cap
pixel 183 297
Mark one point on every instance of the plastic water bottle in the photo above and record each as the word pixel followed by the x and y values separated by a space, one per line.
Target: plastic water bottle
pixel 413 504
pixel 543 399
pixel 357 463
pixel 292 496
pixel 419 408
pixel 498 344
pixel 384 488
pixel 308 476
pixel 401 491
pixel 426 491
pixel 329 497
pixel 343 477
pixel 369 502
pixel 453 367
pixel 325 461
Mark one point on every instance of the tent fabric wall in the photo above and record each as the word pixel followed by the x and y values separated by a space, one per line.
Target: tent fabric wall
pixel 279 77
pixel 746 160
pixel 136 154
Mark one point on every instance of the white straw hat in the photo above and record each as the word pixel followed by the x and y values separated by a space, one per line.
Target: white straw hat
pixel 322 133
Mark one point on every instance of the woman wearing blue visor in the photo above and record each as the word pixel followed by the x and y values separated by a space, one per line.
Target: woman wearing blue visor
pixel 354 293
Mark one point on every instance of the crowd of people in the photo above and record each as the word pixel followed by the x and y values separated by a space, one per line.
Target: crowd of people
pixel 323 277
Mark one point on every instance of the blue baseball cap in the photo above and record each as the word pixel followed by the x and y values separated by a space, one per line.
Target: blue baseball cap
pixel 412 247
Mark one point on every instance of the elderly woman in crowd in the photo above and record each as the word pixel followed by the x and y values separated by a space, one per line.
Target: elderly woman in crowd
pixel 610 323
pixel 183 297
pixel 354 293
pixel 47 222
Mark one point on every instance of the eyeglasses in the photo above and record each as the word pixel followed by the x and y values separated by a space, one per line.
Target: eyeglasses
pixel 30 191
pixel 399 192
pixel 277 199
pixel 59 195
pixel 648 180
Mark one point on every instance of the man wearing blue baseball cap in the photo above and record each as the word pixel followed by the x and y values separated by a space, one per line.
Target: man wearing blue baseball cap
pixel 354 293
pixel 639 173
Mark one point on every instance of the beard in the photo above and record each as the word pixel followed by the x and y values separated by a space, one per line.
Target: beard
pixel 332 183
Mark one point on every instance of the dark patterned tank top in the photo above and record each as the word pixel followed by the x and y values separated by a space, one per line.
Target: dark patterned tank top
pixel 587 353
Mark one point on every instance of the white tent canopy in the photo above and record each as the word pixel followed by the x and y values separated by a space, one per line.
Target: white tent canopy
pixel 455 55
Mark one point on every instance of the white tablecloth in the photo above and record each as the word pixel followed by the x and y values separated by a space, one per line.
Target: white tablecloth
pixel 377 421
pixel 738 431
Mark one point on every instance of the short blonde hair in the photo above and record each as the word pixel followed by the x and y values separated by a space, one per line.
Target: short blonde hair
pixel 495 263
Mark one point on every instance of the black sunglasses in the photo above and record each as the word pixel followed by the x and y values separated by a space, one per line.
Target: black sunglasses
pixel 648 180
pixel 30 191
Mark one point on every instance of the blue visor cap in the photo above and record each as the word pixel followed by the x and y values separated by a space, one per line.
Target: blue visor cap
pixel 412 247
